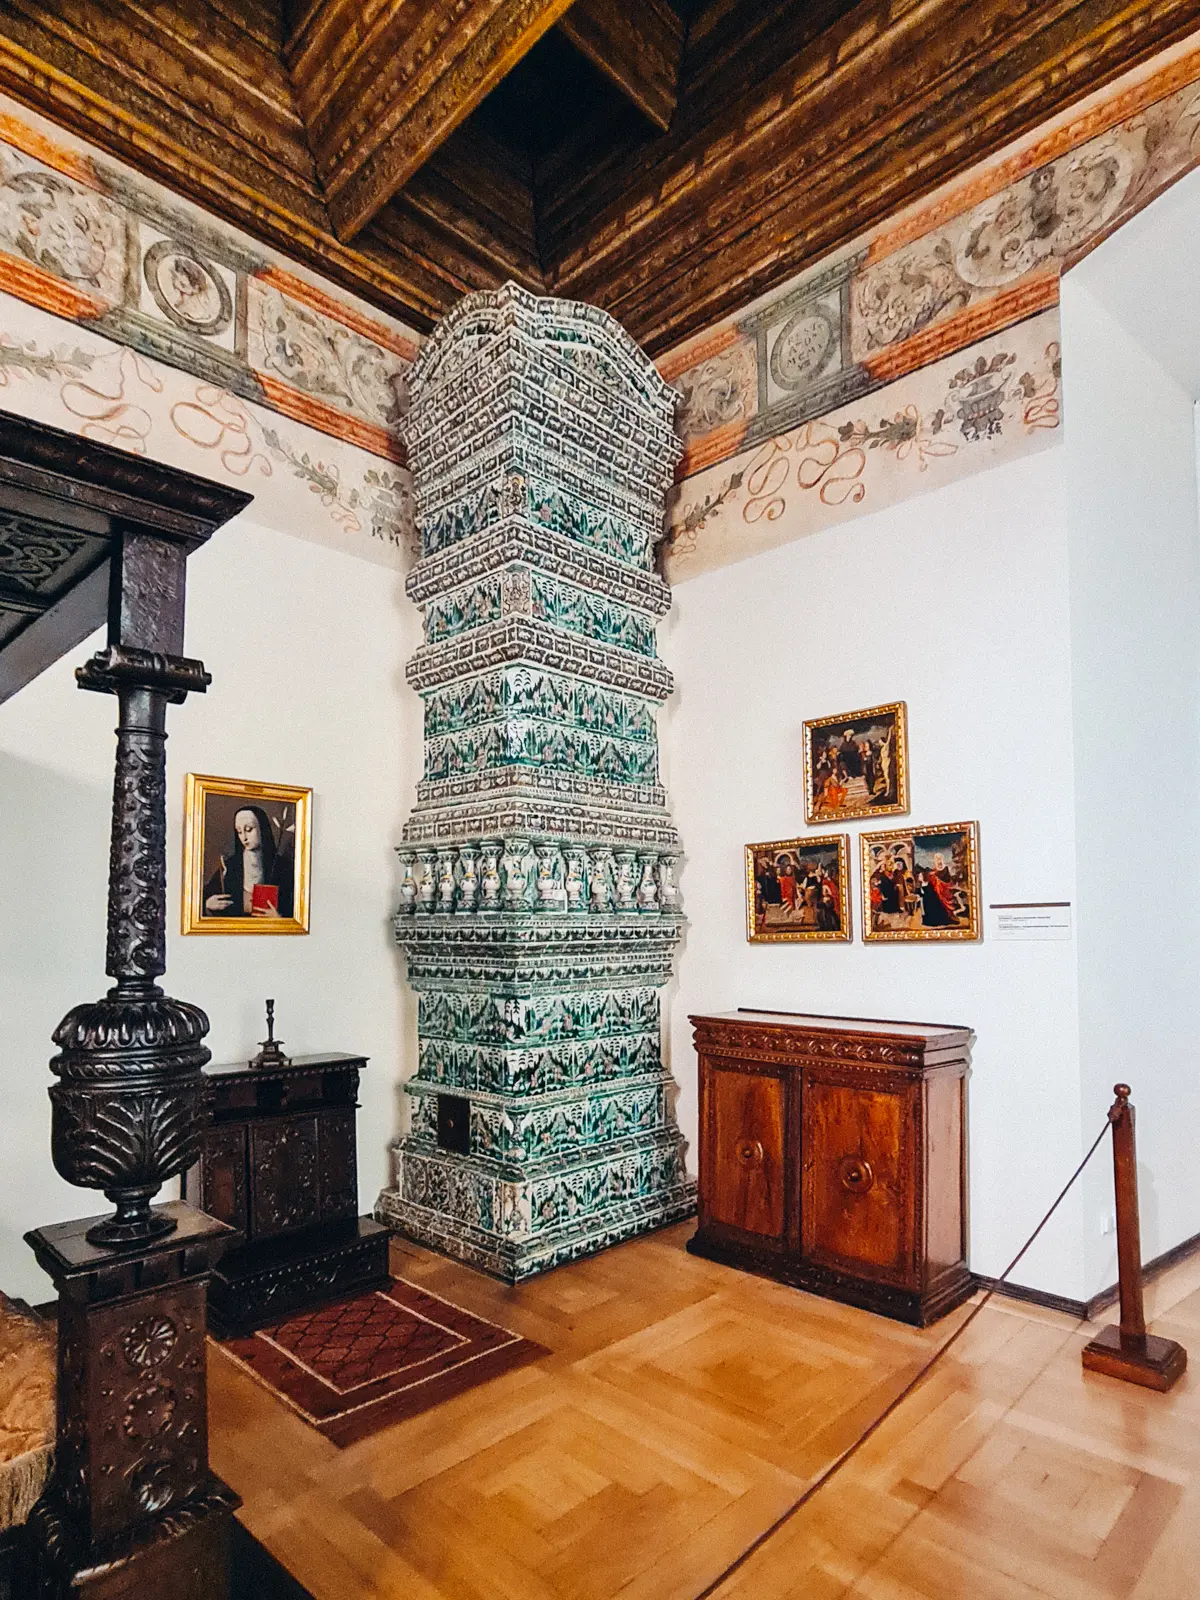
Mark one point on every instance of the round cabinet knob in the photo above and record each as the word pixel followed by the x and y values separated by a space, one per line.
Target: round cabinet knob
pixel 856 1175
pixel 750 1152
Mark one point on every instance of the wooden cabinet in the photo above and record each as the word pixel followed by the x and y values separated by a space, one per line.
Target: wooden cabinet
pixel 278 1162
pixel 833 1156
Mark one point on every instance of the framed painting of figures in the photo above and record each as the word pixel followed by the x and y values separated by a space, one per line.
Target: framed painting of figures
pixel 856 764
pixel 246 855
pixel 921 883
pixel 798 889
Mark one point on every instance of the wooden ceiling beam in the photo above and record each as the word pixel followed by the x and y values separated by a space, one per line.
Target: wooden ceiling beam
pixel 639 48
pixel 382 83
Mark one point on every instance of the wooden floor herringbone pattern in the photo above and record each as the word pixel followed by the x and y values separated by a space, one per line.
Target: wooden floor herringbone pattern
pixel 684 1406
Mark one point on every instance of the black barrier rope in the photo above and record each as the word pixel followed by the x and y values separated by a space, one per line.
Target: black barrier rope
pixel 840 1461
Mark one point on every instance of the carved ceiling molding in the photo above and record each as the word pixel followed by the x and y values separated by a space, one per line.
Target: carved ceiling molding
pixel 409 285
pixel 878 119
pixel 380 95
pixel 792 130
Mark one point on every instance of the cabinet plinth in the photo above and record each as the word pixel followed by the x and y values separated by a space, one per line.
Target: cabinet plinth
pixel 278 1162
pixel 833 1156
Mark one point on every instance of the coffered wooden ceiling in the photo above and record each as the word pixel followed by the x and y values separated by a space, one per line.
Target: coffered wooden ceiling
pixel 667 159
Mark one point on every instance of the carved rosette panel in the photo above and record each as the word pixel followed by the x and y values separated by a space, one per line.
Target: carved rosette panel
pixel 144 1445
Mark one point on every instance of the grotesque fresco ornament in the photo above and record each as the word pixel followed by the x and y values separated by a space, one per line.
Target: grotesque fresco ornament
pixel 538 902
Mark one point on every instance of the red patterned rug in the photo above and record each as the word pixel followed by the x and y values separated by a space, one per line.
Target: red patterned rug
pixel 356 1365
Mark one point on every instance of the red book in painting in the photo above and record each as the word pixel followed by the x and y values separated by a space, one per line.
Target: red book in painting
pixel 264 897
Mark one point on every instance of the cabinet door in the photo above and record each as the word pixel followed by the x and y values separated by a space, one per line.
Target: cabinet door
pixel 859 1193
pixel 285 1192
pixel 217 1184
pixel 743 1152
pixel 339 1172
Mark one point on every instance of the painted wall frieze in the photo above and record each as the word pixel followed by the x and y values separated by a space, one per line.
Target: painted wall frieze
pixel 830 373
pixel 981 256
pixel 85 239
pixel 304 483
pixel 995 402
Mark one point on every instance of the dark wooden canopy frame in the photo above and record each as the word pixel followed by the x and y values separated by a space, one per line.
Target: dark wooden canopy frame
pixel 89 533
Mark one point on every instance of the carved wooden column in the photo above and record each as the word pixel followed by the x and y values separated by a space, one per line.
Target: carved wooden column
pixel 132 1508
pixel 127 1104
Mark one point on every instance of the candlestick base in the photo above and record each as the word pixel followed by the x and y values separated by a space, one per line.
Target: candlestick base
pixel 1153 1362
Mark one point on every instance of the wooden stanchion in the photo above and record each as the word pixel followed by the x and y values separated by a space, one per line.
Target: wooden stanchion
pixel 1128 1351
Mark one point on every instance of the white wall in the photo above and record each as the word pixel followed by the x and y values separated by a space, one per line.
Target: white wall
pixel 1130 463
pixel 306 647
pixel 957 604
pixel 1144 275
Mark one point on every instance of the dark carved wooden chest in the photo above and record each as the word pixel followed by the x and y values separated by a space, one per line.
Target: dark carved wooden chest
pixel 833 1156
pixel 278 1163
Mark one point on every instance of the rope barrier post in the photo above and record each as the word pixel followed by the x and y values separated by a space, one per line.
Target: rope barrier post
pixel 1128 1351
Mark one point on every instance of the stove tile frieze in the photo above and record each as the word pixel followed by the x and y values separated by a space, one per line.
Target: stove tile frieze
pixel 535 694
pixel 532 642
pixel 514 540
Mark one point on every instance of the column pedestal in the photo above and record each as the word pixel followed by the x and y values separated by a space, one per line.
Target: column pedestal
pixel 132 1509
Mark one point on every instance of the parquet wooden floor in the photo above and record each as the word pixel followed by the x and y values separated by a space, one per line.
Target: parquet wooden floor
pixel 685 1406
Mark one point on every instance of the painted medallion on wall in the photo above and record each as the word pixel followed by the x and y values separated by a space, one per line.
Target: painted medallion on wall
pixel 856 764
pixel 921 883
pixel 186 289
pixel 246 856
pixel 798 889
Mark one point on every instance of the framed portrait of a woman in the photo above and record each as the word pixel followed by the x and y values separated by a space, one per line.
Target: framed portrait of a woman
pixel 247 850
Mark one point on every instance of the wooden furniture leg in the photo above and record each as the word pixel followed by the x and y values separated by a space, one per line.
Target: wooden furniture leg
pixel 1128 1351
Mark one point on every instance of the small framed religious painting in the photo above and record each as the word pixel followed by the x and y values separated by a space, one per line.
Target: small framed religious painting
pixel 921 883
pixel 856 764
pixel 798 889
pixel 247 851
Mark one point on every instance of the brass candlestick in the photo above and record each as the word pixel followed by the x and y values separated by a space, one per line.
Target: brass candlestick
pixel 271 1051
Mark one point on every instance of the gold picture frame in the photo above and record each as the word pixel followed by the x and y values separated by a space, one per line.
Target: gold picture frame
pixel 856 764
pixel 921 883
pixel 793 896
pixel 276 831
